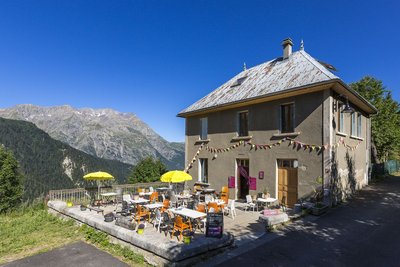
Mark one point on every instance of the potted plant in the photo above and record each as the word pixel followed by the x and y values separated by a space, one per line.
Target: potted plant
pixel 319 207
pixel 266 192
pixel 187 236
pixel 84 205
pixel 140 229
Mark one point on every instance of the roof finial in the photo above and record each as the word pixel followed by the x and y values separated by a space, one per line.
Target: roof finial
pixel 301 45
pixel 244 66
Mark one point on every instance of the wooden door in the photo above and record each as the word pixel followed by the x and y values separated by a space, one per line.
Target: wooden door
pixel 287 185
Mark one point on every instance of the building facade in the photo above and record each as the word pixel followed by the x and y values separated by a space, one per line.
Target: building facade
pixel 287 126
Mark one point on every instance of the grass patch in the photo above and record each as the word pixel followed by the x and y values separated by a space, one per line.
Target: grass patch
pixel 32 230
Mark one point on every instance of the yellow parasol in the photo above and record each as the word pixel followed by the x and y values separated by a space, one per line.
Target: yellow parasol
pixel 98 176
pixel 175 177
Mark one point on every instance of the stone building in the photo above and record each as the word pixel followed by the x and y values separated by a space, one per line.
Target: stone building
pixel 288 125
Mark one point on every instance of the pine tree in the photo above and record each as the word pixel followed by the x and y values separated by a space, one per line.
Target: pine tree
pixel 147 170
pixel 11 186
pixel 385 126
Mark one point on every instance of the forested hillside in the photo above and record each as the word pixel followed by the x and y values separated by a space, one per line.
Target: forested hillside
pixel 50 164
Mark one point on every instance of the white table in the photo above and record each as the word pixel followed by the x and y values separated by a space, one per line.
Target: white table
pixel 267 200
pixel 154 206
pixel 218 201
pixel 193 214
pixel 139 201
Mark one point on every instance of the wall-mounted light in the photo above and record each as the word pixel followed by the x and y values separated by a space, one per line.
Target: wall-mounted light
pixel 347 108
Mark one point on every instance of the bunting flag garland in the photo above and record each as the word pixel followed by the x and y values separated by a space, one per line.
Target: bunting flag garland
pixel 292 142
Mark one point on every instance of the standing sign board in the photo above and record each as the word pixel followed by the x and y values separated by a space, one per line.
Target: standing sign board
pixel 215 224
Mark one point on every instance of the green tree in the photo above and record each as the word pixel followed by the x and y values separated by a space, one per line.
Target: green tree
pixel 11 187
pixel 385 126
pixel 147 170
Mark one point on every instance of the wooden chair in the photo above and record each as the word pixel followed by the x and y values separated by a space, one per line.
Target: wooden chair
pixel 213 205
pixel 225 194
pixel 165 205
pixel 201 208
pixel 141 212
pixel 180 226
pixel 153 197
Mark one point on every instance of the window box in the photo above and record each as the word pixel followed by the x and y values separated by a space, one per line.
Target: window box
pixel 341 134
pixel 356 137
pixel 293 134
pixel 242 138
pixel 201 141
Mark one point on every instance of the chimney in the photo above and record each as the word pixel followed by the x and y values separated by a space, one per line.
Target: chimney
pixel 287 47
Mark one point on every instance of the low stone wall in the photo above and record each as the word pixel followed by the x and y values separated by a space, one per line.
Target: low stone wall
pixel 152 241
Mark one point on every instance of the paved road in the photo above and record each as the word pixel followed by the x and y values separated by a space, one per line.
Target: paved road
pixel 364 232
pixel 76 254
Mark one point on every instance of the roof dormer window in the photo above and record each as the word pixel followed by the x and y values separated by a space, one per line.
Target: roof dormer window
pixel 239 81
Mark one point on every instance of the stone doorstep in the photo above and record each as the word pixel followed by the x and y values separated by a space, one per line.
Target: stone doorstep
pixel 272 220
pixel 168 249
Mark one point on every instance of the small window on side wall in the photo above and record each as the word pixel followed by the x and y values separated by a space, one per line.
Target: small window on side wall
pixel 203 170
pixel 359 125
pixel 203 128
pixel 353 124
pixel 287 118
pixel 243 123
pixel 341 120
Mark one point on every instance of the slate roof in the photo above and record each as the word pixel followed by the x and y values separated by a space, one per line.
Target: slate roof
pixel 271 77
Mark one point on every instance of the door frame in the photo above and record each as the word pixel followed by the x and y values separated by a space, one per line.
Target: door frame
pixel 277 177
pixel 237 180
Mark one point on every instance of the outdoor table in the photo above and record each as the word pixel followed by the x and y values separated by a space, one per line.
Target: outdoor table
pixel 208 191
pixel 153 206
pixel 145 193
pixel 163 189
pixel 218 201
pixel 266 200
pixel 193 214
pixel 139 201
pixel 108 196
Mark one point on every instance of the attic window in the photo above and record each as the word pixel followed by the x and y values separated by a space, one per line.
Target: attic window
pixel 239 81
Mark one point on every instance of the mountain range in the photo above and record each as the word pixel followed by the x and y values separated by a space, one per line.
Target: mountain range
pixel 104 133
pixel 50 164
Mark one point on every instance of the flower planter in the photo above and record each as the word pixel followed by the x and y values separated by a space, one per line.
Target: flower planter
pixel 319 210
pixel 140 229
pixel 187 237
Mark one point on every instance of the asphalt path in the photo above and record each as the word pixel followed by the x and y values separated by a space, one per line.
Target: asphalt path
pixel 363 232
pixel 75 254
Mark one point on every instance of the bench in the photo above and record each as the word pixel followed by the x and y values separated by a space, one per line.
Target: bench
pixel 96 209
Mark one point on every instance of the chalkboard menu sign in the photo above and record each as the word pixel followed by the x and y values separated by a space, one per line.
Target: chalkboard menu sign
pixel 215 224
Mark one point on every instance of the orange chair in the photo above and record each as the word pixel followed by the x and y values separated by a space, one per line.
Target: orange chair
pixel 213 205
pixel 179 225
pixel 153 197
pixel 165 205
pixel 141 212
pixel 201 208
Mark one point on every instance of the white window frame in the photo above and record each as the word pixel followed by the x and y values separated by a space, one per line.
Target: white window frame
pixel 203 128
pixel 238 122
pixel 341 124
pixel 201 170
pixel 353 124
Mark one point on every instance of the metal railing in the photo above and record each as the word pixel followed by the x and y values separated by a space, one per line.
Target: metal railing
pixel 85 195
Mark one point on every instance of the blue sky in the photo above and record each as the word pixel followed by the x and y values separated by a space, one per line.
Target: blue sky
pixel 154 58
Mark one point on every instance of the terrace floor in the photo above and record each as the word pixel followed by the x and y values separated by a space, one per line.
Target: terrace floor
pixel 244 228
